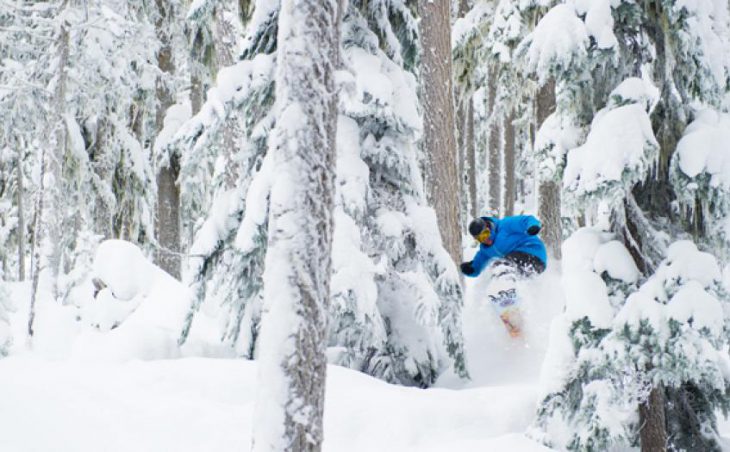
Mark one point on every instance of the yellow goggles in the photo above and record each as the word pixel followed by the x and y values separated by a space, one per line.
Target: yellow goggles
pixel 484 235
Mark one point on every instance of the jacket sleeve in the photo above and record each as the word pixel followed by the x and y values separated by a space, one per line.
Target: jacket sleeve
pixel 528 221
pixel 480 261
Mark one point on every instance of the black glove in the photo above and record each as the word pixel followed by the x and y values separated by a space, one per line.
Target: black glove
pixel 533 230
pixel 467 268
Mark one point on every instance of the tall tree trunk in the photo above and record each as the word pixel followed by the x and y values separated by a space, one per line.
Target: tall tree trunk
pixel 471 158
pixel 21 213
pixel 510 156
pixel 50 211
pixel 297 273
pixel 494 145
pixel 168 190
pixel 548 197
pixel 439 141
pixel 103 166
pixel 653 431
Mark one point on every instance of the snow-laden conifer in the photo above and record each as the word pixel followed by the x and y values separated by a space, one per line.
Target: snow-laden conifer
pixel 396 300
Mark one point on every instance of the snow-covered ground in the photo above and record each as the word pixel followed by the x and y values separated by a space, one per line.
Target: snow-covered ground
pixel 130 389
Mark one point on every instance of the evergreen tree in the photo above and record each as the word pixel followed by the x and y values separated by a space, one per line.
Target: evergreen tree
pixel 623 367
pixel 396 298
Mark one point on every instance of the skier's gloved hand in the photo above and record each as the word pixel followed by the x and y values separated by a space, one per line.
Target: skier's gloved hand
pixel 533 230
pixel 467 268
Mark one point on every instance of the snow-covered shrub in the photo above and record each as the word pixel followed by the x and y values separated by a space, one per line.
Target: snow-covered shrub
pixel 607 354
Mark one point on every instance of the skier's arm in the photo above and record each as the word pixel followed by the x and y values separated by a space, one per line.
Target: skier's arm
pixel 530 224
pixel 480 261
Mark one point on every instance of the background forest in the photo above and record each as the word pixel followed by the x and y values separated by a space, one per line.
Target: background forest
pixel 155 122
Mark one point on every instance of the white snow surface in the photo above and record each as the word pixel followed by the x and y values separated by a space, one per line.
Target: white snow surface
pixel 617 144
pixel 705 148
pixel 132 388
pixel 82 388
pixel 558 40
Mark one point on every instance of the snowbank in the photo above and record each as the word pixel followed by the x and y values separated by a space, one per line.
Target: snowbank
pixel 199 404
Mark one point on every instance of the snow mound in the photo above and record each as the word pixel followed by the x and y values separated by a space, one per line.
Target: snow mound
pixel 615 259
pixel 705 148
pixel 140 312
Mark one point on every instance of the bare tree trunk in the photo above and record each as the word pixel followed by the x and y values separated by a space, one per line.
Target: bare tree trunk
pixel 653 431
pixel 549 190
pixel 494 145
pixel 103 166
pixel 168 190
pixel 439 141
pixel 510 151
pixel 471 157
pixel 290 405
pixel 21 214
pixel 47 228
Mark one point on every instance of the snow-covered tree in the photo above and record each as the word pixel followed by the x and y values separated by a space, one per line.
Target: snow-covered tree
pixel 396 298
pixel 625 369
pixel 298 267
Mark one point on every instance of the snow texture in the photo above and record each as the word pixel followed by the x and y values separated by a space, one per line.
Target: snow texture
pixel 617 150
pixel 705 148
pixel 559 41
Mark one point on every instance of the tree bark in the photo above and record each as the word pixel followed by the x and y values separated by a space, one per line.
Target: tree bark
pixel 290 403
pixel 510 151
pixel 549 190
pixel 50 211
pixel 653 432
pixel 471 158
pixel 494 145
pixel 439 141
pixel 21 214
pixel 168 190
pixel 103 167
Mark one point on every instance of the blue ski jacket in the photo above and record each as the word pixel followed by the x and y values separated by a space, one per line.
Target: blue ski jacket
pixel 509 235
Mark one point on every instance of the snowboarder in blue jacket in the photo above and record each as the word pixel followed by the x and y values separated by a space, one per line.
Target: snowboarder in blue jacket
pixel 512 250
pixel 511 238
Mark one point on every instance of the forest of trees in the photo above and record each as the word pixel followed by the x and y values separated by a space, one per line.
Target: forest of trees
pixel 312 166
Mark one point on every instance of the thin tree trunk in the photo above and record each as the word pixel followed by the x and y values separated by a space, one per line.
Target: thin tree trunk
pixel 494 145
pixel 549 190
pixel 510 151
pixel 290 405
pixel 471 157
pixel 47 228
pixel 168 190
pixel 653 431
pixel 104 168
pixel 21 214
pixel 439 141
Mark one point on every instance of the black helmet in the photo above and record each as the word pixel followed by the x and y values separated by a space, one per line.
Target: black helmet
pixel 477 226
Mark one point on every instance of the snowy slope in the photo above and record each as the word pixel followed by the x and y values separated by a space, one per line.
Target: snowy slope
pixel 203 404
pixel 83 389
pixel 127 389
